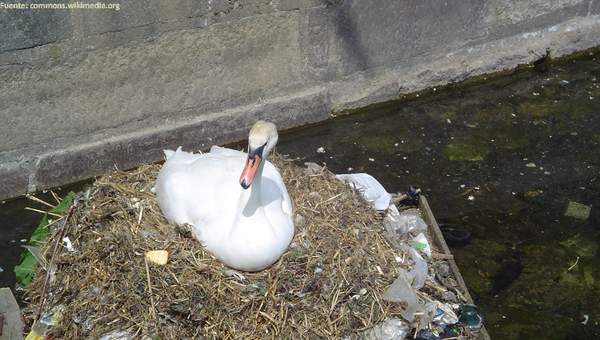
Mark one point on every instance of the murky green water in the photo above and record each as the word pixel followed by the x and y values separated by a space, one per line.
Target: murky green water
pixel 521 146
pixel 16 226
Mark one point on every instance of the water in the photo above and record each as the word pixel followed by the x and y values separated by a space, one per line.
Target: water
pixel 16 226
pixel 533 142
pixel 500 158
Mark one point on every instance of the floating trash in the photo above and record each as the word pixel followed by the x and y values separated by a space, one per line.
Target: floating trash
pixel 586 318
pixel 578 210
pixel 455 236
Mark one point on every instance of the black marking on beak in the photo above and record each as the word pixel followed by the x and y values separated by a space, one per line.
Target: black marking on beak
pixel 258 151
pixel 244 184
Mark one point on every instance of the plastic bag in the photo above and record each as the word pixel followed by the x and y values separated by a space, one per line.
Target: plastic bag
pixel 369 187
pixel 401 291
pixel 389 329
pixel 402 223
pixel 418 273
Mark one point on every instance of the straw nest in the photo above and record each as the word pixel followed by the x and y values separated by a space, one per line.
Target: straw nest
pixel 329 283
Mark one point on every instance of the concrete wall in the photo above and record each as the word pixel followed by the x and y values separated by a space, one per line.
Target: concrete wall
pixel 84 90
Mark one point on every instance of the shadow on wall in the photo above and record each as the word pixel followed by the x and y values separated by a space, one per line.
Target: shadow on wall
pixel 347 32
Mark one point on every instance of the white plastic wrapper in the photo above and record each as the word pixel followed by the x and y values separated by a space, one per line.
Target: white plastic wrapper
pixel 418 273
pixel 389 329
pixel 369 187
pixel 421 243
pixel 401 291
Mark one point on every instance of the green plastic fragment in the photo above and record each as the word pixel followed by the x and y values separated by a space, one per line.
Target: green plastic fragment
pixel 420 246
pixel 25 270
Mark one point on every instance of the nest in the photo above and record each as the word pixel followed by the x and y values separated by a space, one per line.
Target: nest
pixel 329 283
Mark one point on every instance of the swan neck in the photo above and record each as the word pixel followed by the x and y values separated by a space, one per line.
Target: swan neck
pixel 258 179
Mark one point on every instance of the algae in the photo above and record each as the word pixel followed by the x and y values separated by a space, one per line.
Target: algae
pixel 379 143
pixel 465 152
pixel 580 246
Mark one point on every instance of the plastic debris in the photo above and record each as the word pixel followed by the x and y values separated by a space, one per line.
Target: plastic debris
pixel 53 316
pixel 388 329
pixel 578 210
pixel 470 316
pixel 442 270
pixel 421 243
pixel 321 150
pixel 451 331
pixel 369 187
pixel 313 168
pixel 410 197
pixel 36 252
pixel 427 334
pixel 401 291
pixel 586 318
pixel 49 319
pixel 1 270
pixel 299 220
pixel 159 257
pixel 402 223
pixel 449 296
pixel 234 274
pixel 34 335
pixel 444 314
pixel 564 82
pixel 418 273
pixel 67 243
pixel 116 335
pixel 530 165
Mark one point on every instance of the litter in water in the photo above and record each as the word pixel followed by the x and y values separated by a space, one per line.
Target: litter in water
pixel 578 210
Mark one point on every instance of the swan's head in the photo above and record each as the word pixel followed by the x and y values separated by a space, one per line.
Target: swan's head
pixel 263 137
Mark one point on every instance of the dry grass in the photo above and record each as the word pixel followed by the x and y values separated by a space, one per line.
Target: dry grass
pixel 328 284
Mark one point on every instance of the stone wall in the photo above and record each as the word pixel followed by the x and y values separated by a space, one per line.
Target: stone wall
pixel 84 90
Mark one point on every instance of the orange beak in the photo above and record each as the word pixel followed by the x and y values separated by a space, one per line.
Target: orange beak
pixel 252 164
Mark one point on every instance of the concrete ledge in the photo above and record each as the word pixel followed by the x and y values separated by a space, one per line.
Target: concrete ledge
pixel 364 88
pixel 82 92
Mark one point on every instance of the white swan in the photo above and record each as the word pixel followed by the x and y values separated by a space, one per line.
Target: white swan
pixel 245 221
